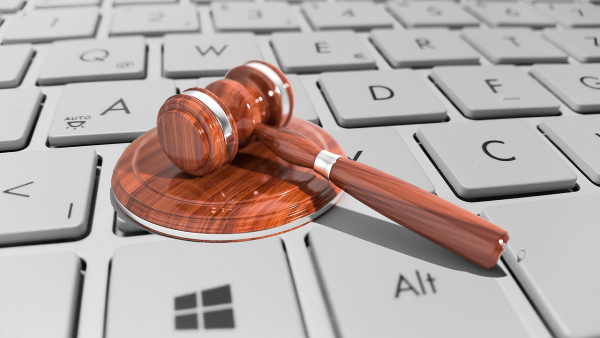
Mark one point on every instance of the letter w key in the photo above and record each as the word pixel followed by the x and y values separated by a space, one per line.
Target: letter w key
pixel 192 56
pixel 211 48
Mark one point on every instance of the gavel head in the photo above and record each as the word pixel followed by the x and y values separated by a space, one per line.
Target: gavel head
pixel 200 130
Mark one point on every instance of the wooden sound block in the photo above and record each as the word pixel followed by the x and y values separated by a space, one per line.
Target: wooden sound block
pixel 257 195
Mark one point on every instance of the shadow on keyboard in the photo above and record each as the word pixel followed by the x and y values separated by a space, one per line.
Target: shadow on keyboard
pixel 402 240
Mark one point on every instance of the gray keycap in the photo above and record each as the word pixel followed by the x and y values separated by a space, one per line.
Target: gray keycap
pixel 248 293
pixel 123 112
pixel 18 112
pixel 260 18
pixel 423 48
pixel 14 60
pixel 289 1
pixel 358 16
pixel 576 137
pixel 221 1
pixel 494 158
pixel 52 24
pixel 155 20
pixel 513 46
pixel 494 91
pixel 57 184
pixel 303 107
pixel 377 292
pixel 207 55
pixel 141 2
pixel 582 44
pixel 431 14
pixel 65 3
pixel 129 228
pixel 573 14
pixel 578 86
pixel 43 289
pixel 509 14
pixel 563 231
pixel 321 51
pixel 378 98
pixel 94 60
pixel 11 6
pixel 383 149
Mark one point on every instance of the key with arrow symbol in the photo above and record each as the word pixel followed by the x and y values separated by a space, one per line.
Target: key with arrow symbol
pixel 10 191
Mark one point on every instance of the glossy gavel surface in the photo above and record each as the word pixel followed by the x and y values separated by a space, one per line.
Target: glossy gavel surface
pixel 430 216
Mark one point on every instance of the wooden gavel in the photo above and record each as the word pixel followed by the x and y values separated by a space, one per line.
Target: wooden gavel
pixel 200 130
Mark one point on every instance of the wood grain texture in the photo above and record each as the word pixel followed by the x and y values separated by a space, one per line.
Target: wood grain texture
pixel 430 216
pixel 256 191
pixel 264 91
pixel 245 109
pixel 289 145
pixel 191 135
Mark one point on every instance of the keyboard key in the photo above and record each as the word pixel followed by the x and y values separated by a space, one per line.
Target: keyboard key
pixel 65 3
pixel 123 112
pixel 303 107
pixel 582 44
pixel 11 6
pixel 19 111
pixel 321 51
pixel 207 55
pixel 52 24
pixel 494 158
pixel 259 18
pixel 423 48
pixel 40 295
pixel 513 46
pixel 14 60
pixel 366 145
pixel 415 14
pixel 378 98
pixel 565 232
pixel 226 1
pixel 155 20
pixel 249 291
pixel 359 16
pixel 377 292
pixel 574 135
pixel 494 92
pixel 509 14
pixel 578 86
pixel 127 228
pixel 57 184
pixel 573 14
pixel 142 2
pixel 94 60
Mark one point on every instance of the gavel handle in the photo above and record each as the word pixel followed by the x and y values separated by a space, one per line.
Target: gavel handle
pixel 426 214
pixel 430 216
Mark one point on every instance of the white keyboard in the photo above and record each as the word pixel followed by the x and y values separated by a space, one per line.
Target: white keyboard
pixel 494 106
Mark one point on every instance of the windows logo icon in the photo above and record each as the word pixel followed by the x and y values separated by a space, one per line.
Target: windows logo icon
pixel 216 309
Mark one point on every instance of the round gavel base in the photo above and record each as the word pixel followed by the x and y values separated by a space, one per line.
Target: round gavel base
pixel 257 195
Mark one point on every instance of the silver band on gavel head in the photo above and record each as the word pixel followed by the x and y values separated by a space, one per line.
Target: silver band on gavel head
pixel 324 161
pixel 286 106
pixel 219 113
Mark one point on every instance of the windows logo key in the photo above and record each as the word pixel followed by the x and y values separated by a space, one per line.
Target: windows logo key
pixel 216 309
